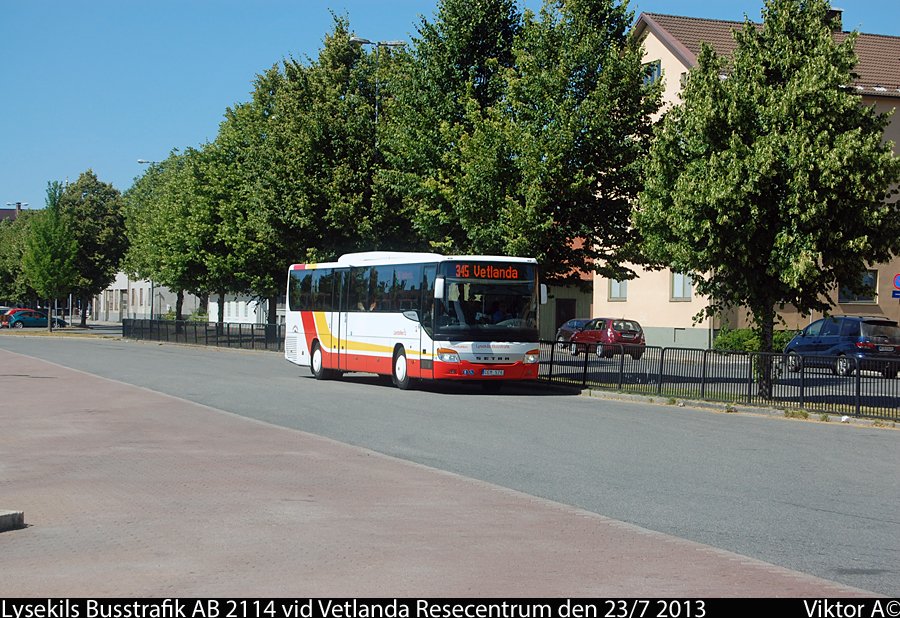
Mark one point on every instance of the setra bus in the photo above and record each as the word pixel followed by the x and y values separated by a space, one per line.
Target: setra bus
pixel 416 316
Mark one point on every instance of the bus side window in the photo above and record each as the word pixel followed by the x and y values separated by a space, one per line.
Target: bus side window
pixel 426 312
pixel 301 287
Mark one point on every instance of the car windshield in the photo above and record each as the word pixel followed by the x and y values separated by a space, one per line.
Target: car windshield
pixel 886 332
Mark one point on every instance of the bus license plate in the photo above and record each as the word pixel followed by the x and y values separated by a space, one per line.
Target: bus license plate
pixel 492 372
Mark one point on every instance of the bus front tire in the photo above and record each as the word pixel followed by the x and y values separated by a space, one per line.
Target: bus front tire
pixel 316 363
pixel 400 371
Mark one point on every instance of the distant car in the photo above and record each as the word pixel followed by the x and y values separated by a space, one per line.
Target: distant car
pixel 564 333
pixel 31 318
pixel 609 336
pixel 845 342
pixel 8 313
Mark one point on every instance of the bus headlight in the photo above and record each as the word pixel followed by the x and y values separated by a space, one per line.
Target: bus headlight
pixel 532 356
pixel 446 355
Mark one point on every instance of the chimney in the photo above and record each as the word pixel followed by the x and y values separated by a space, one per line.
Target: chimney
pixel 834 17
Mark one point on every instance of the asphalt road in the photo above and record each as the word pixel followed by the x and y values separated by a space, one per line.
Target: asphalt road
pixel 815 497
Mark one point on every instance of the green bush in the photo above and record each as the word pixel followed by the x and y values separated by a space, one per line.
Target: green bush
pixel 747 340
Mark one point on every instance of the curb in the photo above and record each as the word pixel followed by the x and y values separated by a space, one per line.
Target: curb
pixel 11 520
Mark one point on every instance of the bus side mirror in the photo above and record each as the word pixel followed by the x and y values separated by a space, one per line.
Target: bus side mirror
pixel 543 293
pixel 411 315
pixel 438 288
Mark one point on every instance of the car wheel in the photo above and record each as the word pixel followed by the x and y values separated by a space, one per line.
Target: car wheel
pixel 561 343
pixel 889 372
pixel 794 362
pixel 843 366
pixel 573 349
pixel 400 374
pixel 18 325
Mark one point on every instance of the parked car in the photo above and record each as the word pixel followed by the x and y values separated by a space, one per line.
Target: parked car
pixel 609 336
pixel 8 313
pixel 565 332
pixel 30 317
pixel 843 342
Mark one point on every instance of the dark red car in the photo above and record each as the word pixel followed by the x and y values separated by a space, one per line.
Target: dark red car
pixel 608 337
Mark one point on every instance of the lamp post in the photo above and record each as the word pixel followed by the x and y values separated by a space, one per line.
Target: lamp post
pixel 147 162
pixel 378 45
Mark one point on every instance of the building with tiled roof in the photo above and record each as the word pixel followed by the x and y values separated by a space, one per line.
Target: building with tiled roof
pixel 10 213
pixel 663 301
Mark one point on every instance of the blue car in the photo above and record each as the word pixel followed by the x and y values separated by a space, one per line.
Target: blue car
pixel 844 343
pixel 30 317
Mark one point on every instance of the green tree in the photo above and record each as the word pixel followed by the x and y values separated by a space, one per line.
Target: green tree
pixel 580 113
pixel 454 73
pixel 768 184
pixel 13 283
pixel 164 220
pixel 50 252
pixel 529 143
pixel 93 211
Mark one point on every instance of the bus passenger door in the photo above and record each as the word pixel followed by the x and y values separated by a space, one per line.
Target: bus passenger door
pixel 342 283
pixel 426 325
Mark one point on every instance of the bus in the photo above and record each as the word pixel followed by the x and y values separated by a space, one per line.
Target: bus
pixel 416 316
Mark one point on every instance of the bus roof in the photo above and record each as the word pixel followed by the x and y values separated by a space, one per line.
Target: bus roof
pixel 375 258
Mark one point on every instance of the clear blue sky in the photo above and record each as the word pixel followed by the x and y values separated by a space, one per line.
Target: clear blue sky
pixel 101 83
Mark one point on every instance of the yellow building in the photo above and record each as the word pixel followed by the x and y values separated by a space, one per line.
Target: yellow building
pixel 664 302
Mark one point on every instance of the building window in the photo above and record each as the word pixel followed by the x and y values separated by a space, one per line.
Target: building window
pixel 652 72
pixel 681 287
pixel 618 290
pixel 141 297
pixel 246 309
pixel 132 298
pixel 869 282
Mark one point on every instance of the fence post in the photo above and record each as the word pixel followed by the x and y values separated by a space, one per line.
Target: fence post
pixel 621 366
pixel 703 375
pixel 858 381
pixel 750 379
pixel 584 374
pixel 802 380
pixel 550 369
pixel 659 375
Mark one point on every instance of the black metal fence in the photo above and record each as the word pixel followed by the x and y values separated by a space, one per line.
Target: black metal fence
pixel 224 335
pixel 680 373
pixel 732 377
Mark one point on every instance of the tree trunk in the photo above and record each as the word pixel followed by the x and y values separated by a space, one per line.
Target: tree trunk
pixel 765 319
pixel 272 320
pixel 179 305
pixel 220 319
pixel 49 316
pixel 84 304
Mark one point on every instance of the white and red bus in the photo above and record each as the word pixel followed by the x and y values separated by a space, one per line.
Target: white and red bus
pixel 416 316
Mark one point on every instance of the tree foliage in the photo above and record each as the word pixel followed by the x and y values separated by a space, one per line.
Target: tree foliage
pixel 768 183
pixel 51 251
pixel 93 211
pixel 530 143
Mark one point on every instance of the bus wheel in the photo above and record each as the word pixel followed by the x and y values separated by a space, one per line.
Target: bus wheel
pixel 400 374
pixel 315 363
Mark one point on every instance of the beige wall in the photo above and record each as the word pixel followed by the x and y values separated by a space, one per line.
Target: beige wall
pixel 672 68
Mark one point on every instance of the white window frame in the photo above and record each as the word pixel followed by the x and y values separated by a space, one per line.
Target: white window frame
pixel 681 287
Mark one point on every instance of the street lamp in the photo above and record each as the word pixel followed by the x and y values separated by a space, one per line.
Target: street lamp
pixel 152 287
pixel 378 45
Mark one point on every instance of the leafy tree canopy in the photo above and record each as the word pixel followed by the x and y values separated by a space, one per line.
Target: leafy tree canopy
pixel 769 183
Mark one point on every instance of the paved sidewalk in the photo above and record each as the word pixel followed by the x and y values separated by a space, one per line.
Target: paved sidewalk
pixel 127 492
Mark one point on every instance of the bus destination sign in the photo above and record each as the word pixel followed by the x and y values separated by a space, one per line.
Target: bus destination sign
pixel 484 270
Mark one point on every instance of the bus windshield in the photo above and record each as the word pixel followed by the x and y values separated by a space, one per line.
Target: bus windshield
pixel 487 301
